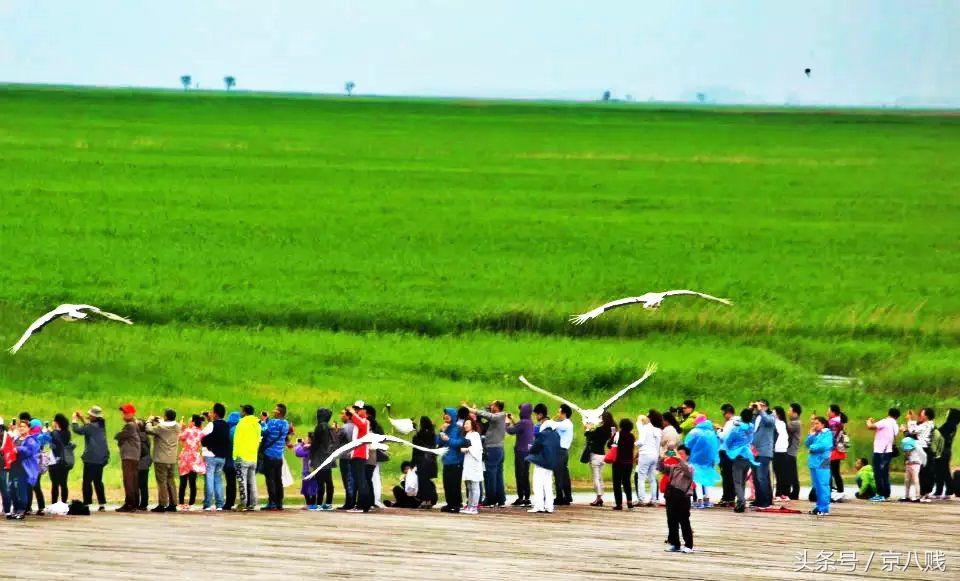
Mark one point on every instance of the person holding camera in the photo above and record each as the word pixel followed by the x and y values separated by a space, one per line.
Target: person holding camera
pixel 216 448
pixel 523 431
pixel 95 455
pixel 496 493
pixel 765 426
pixel 166 435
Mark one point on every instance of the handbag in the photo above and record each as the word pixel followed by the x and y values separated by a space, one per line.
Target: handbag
pixel 611 456
pixel 585 455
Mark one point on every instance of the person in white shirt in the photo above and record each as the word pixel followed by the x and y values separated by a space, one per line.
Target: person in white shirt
pixel 564 427
pixel 780 460
pixel 472 467
pixel 648 452
pixel 729 496
pixel 885 433
pixel 406 492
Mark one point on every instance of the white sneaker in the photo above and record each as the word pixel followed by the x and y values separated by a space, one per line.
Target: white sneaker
pixel 208 509
pixel 534 510
pixel 686 550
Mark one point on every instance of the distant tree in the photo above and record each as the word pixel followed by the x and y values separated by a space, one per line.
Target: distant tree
pixel 229 82
pixel 348 87
pixel 606 95
pixel 701 97
pixel 185 80
pixel 628 98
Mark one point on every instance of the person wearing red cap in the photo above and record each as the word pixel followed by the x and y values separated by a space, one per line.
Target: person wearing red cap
pixel 128 440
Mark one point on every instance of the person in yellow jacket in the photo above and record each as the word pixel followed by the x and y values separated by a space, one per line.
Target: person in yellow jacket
pixel 246 447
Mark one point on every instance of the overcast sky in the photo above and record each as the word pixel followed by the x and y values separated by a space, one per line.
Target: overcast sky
pixel 860 52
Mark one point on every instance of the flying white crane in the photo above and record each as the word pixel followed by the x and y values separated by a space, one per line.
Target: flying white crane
pixel 66 313
pixel 648 300
pixel 594 416
pixel 376 442
pixel 402 425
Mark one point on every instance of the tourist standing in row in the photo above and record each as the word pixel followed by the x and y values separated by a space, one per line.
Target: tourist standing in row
pixel 95 455
pixel 166 437
pixel 523 430
pixel 884 435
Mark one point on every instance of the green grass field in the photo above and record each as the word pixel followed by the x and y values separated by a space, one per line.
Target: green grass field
pixel 320 250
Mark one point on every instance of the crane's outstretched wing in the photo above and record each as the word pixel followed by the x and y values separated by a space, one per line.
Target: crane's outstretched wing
pixel 38 325
pixel 592 314
pixel 574 406
pixel 102 313
pixel 339 451
pixel 671 293
pixel 437 451
pixel 650 370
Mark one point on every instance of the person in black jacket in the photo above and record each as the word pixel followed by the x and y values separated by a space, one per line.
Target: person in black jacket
pixel 597 440
pixel 942 477
pixel 145 461
pixel 217 443
pixel 324 440
pixel 426 463
pixel 59 442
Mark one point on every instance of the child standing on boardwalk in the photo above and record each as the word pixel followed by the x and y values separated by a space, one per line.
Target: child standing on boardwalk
pixel 679 489
pixel 472 467
pixel 309 487
pixel 914 460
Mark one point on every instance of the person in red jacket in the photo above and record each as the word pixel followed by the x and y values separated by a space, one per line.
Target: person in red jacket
pixel 358 459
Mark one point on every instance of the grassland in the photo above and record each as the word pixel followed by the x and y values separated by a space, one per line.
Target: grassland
pixel 320 249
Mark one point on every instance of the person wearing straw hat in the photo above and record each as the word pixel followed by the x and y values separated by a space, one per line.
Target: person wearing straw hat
pixel 96 454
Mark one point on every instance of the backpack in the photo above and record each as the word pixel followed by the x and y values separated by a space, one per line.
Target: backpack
pixel 78 508
pixel 68 458
pixel 842 441
pixel 937 443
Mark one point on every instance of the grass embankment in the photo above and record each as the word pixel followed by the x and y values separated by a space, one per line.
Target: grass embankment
pixel 319 250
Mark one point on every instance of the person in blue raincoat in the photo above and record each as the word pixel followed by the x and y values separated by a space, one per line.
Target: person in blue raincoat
pixel 704 446
pixel 820 444
pixel 737 443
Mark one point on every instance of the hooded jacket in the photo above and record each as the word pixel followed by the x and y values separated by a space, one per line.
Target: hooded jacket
pixel 820 445
pixel 27 450
pixel 704 448
pixel 95 450
pixel 523 430
pixel 736 443
pixel 454 432
pixel 763 438
pixel 545 451
pixel 246 439
pixel 232 420
pixel 166 436
pixel 324 440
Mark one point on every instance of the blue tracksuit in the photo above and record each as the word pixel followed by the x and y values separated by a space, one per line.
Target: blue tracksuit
pixel 820 445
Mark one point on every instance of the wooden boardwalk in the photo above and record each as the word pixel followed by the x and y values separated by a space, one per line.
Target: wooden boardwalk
pixel 576 542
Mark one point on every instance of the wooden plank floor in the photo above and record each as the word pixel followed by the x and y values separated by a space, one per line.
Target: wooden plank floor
pixel 576 542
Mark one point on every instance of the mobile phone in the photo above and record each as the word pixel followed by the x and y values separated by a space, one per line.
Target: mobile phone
pixel 46 424
pixel 299 440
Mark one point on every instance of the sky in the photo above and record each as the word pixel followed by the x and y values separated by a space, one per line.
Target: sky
pixel 860 52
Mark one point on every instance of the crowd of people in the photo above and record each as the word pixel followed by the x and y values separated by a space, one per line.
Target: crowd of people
pixel 671 458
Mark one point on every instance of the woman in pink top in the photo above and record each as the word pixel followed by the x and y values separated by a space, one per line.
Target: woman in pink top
pixel 190 462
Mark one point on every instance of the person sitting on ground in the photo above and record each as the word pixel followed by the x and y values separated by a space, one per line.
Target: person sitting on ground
pixel 866 484
pixel 406 492
pixel 678 491
pixel 166 435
